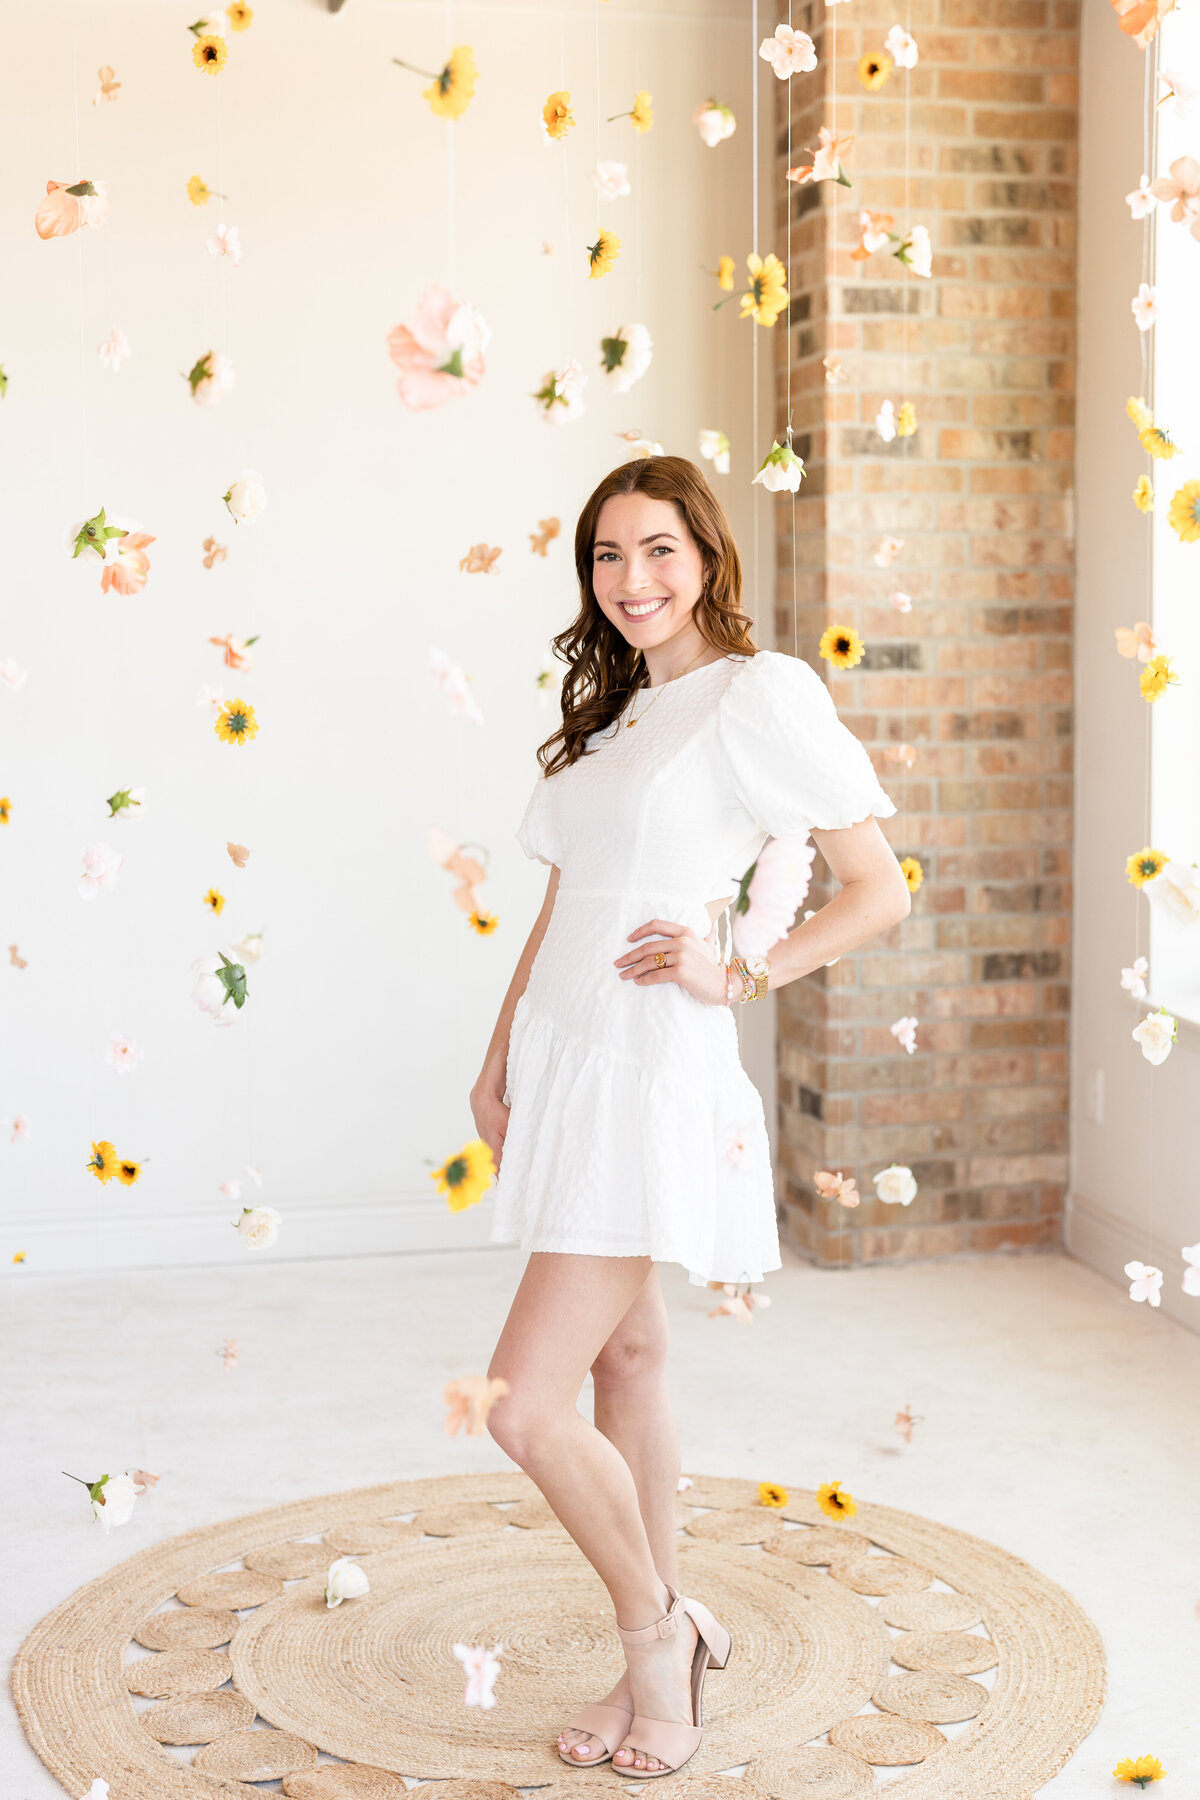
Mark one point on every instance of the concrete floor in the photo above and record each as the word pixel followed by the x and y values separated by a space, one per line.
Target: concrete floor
pixel 1059 1420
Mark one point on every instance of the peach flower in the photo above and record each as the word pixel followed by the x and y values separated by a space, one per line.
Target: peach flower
pixel 66 209
pixel 440 356
pixel 128 573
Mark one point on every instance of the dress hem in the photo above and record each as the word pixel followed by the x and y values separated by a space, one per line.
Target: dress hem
pixel 574 1247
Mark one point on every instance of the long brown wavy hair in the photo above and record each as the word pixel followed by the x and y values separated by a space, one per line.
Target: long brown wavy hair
pixel 603 670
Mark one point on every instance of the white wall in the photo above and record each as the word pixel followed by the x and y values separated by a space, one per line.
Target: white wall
pixel 347 1075
pixel 1133 1190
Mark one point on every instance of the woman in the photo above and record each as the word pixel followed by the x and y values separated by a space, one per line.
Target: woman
pixel 612 1095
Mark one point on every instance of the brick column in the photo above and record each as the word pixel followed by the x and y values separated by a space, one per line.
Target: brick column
pixel 977 678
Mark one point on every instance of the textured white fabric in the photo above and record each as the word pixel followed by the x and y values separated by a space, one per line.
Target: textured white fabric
pixel 633 1129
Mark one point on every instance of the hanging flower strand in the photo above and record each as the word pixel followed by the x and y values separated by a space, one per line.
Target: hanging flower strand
pixel 603 254
pixel 641 112
pixel 453 85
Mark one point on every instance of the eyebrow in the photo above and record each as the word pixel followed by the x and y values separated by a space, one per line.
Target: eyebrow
pixel 607 543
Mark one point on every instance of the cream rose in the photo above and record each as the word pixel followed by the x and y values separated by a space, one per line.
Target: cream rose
pixel 258 1226
pixel 113 1498
pixel 246 497
pixel 896 1185
pixel 1156 1033
pixel 345 1581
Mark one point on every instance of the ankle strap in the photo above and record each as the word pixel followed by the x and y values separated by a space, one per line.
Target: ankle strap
pixel 665 1627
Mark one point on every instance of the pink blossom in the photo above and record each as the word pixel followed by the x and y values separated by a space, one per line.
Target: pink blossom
pixel 782 872
pixel 905 1032
pixel 611 180
pixel 1140 200
pixel 889 549
pixel 740 1148
pixel 22 1129
pixel 451 682
pixel 1144 306
pixel 839 1187
pixel 100 866
pixel 209 992
pixel 122 1054
pixel 225 242
pixel 115 348
pixel 12 674
pixel 1191 1275
pixel 901 602
pixel 482 1667
pixel 901 47
pixel 1133 979
pixel 1145 1282
pixel 904 754
pixel 211 697
pixel 440 356
pixel 789 52
pixel 1181 187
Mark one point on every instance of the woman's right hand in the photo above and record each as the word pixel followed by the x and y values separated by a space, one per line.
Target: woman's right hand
pixel 491 1117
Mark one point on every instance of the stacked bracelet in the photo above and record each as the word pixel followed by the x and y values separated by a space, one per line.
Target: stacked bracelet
pixel 737 966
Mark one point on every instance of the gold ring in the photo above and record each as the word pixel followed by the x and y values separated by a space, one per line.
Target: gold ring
pixel 659 959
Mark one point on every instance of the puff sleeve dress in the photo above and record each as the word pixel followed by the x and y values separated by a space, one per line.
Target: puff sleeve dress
pixel 633 1128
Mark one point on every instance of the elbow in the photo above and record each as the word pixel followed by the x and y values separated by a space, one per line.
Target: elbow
pixel 903 905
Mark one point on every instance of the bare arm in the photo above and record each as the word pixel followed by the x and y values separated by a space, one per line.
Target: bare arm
pixel 487 1095
pixel 873 895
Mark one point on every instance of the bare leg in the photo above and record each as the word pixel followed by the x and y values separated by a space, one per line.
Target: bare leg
pixel 564 1312
pixel 633 1410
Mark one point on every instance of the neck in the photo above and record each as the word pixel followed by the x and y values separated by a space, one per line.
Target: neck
pixel 686 650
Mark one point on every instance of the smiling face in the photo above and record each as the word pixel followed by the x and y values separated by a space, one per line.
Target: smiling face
pixel 647 569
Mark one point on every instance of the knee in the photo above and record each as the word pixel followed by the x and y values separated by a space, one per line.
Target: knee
pixel 519 1428
pixel 631 1356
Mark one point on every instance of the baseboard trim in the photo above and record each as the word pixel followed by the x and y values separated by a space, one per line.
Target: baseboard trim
pixel 1095 1236
pixel 373 1226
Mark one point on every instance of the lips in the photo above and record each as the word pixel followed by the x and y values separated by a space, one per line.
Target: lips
pixel 643 609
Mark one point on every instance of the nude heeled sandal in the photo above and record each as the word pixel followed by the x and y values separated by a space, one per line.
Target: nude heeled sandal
pixel 666 1740
pixel 599 1721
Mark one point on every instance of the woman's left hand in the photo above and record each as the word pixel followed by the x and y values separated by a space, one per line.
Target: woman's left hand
pixel 685 961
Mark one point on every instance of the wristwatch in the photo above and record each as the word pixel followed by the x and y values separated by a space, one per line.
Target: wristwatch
pixel 760 968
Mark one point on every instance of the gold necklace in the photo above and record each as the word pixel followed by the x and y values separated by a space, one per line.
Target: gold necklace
pixel 632 721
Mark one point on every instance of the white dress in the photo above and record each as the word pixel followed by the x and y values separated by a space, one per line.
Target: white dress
pixel 633 1128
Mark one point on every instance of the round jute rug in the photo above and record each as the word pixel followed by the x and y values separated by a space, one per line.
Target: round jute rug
pixel 344 1701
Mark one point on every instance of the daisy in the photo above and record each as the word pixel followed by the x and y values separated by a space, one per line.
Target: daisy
pixel 912 872
pixel 602 254
pixel 236 723
pixel 453 86
pixel 466 1177
pixel 1183 515
pixel 210 54
pixel 873 71
pixel 841 646
pixel 767 295
pixel 834 1503
pixel 1145 865
pixel 103 1162
pixel 557 117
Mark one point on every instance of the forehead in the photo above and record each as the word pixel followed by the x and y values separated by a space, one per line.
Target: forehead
pixel 629 517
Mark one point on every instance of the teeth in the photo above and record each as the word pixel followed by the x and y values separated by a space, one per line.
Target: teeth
pixel 643 607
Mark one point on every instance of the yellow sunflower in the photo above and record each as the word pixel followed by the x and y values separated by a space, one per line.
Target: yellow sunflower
pixel 453 89
pixel 725 268
pixel 240 16
pixel 5 809
pixel 1144 866
pixel 643 112
pixel 199 192
pixel 1156 677
pixel 128 1171
pixel 603 254
pixel 18 1256
pixel 873 70
pixel 215 900
pixel 465 1178
pixel 1184 513
pixel 912 872
pixel 1140 1769
pixel 1139 412
pixel 236 722
pixel 1143 494
pixel 558 115
pixel 483 923
pixel 833 1503
pixel 841 646
pixel 103 1161
pixel 771 1494
pixel 1157 443
pixel 210 54
pixel 906 419
pixel 768 293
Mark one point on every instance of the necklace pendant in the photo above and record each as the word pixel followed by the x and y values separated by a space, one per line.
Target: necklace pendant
pixel 629 724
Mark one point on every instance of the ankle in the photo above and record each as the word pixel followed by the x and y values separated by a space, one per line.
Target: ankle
pixel 645 1614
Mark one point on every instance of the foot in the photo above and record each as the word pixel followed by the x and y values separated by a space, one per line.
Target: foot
pixel 661 1679
pixel 583 1746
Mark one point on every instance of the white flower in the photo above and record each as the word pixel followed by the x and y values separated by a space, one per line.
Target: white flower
pixel 895 1185
pixel 1180 94
pixel 22 1129
pixel 1191 1275
pixel 885 421
pixel 249 949
pixel 789 52
pixel 781 471
pixel 230 1190
pixel 1156 1033
pixel 683 1484
pixel 345 1581
pixel 714 447
pixel 714 122
pixel 627 355
pixel 549 685
pixel 1144 306
pixel 901 602
pixel 97 1791
pixel 739 1148
pixel 219 380
pixel 1145 1282
pixel 611 180
pixel 482 1669
pixel 113 1498
pixel 225 242
pixel 12 674
pixel 1140 200
pixel 246 496
pixel 905 1032
pixel 916 252
pixel 100 866
pixel 258 1226
pixel 115 348
pixel 1134 980
pixel 122 1054
pixel 901 47
pixel 570 380
pixel 451 681
pixel 889 549
pixel 210 697
pixel 641 446
pixel 1176 892
pixel 209 992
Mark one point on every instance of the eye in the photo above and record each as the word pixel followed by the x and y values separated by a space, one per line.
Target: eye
pixel 665 548
pixel 603 555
